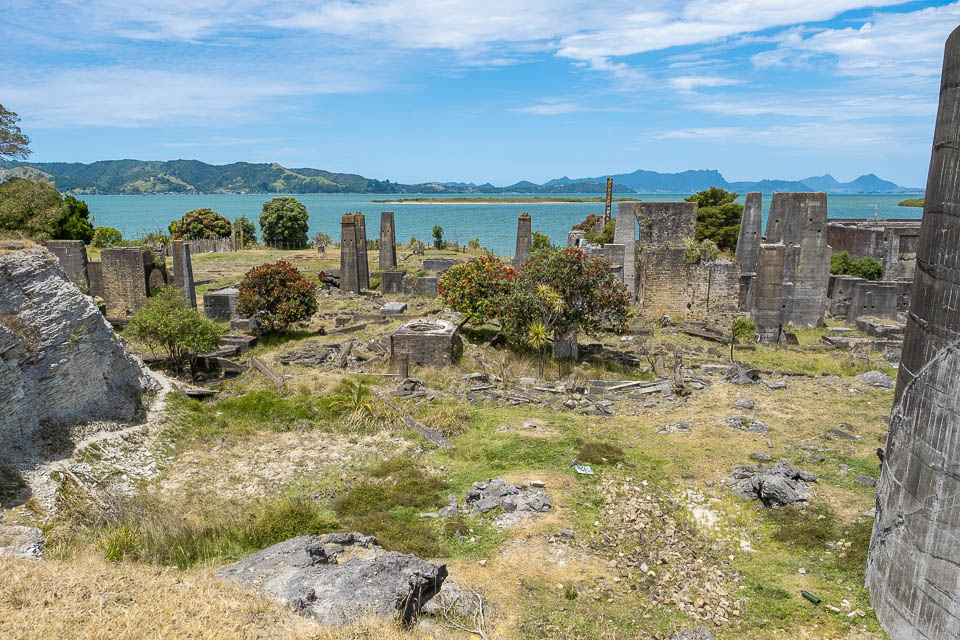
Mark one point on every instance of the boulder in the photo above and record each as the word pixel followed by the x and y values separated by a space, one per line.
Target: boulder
pixel 340 577
pixel 875 379
pixel 22 542
pixel 60 362
pixel 776 486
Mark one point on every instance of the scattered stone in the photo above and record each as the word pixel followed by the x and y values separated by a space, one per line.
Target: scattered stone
pixel 722 369
pixel 777 486
pixel 22 542
pixel 697 633
pixel 833 434
pixel 538 484
pixel 744 403
pixel 866 481
pixel 739 375
pixel 875 379
pixel 746 423
pixel 491 494
pixel 393 308
pixel 451 599
pixel 676 427
pixel 337 577
pixel 762 457
pixel 775 384
pixel 566 533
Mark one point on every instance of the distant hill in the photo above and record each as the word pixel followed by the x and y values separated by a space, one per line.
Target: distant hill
pixel 193 176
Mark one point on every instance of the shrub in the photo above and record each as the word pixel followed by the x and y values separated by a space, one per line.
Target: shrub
pixel 321 241
pixel 106 237
pixel 475 289
pixel 605 236
pixel 867 268
pixel 35 208
pixel 718 217
pixel 278 294
pixel 540 241
pixel 200 223
pixel 437 237
pixel 249 230
pixel 284 220
pixel 168 324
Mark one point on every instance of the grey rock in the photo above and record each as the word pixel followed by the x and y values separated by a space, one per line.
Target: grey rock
pixel 22 542
pixel 566 533
pixel 777 491
pixel 763 457
pixel 509 504
pixel 776 486
pixel 775 384
pixel 446 512
pixel 538 484
pixel 483 505
pixel 740 376
pixel 746 423
pixel 393 308
pixel 60 361
pixel 535 501
pixel 308 573
pixel 722 369
pixel 875 379
pixel 677 427
pixel 697 633
pixel 744 403
pixel 451 599
pixel 430 514
pixel 866 481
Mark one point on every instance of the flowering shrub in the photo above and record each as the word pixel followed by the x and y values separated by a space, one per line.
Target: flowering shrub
pixel 199 224
pixel 278 294
pixel 476 288
pixel 590 296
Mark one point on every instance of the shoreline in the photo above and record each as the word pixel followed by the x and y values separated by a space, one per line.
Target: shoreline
pixel 500 200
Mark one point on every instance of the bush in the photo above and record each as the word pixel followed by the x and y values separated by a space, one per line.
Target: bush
pixel 605 236
pixel 321 241
pixel 475 289
pixel 278 294
pixel 249 230
pixel 540 241
pixel 718 217
pixel 284 220
pixel 199 224
pixel 866 268
pixel 35 208
pixel 437 237
pixel 168 324
pixel 106 237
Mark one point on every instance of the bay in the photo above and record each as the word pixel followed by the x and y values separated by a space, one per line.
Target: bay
pixel 495 224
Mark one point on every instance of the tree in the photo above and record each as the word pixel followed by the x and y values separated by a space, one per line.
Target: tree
pixel 741 328
pixel 166 323
pixel 106 237
pixel 475 289
pixel 249 229
pixel 14 145
pixel 321 241
pixel 437 236
pixel 284 220
pixel 590 295
pixel 198 224
pixel 35 208
pixel 278 295
pixel 718 217
pixel 540 241
pixel 867 268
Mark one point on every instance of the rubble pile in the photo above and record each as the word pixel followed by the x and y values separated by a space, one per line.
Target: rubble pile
pixel 776 486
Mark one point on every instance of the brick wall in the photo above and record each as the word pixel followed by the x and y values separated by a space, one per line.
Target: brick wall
pixel 667 284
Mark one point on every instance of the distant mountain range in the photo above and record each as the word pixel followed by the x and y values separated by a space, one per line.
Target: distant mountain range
pixel 193 176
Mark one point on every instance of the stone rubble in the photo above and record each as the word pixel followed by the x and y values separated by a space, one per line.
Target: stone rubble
pixel 776 486
pixel 22 542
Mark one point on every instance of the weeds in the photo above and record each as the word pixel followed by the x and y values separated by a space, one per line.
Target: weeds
pixel 600 453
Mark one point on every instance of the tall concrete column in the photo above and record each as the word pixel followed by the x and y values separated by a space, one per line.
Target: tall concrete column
pixel 388 241
pixel 349 265
pixel 363 263
pixel 913 567
pixel 183 271
pixel 524 239
pixel 625 233
pixel 608 202
pixel 748 243
pixel 124 281
pixel 768 291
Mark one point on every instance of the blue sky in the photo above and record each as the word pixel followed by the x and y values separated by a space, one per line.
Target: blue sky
pixel 493 90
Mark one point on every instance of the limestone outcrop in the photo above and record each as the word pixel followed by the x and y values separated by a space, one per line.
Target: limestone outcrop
pixel 60 362
pixel 340 577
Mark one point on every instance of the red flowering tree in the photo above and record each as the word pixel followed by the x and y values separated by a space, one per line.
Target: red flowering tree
pixel 199 224
pixel 572 289
pixel 277 294
pixel 476 288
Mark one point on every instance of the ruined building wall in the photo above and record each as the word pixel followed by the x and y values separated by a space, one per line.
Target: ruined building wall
pixel 913 568
pixel 664 222
pixel 72 255
pixel 124 280
pixel 625 234
pixel 669 284
pixel 768 292
pixel 524 240
pixel 349 264
pixel 363 264
pixel 748 242
pixel 388 241
pixel 891 242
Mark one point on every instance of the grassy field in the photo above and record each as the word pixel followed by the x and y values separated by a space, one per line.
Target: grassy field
pixel 659 542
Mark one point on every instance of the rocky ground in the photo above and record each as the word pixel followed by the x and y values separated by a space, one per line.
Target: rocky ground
pixel 652 491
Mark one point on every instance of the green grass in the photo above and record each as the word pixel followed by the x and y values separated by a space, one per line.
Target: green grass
pixel 911 202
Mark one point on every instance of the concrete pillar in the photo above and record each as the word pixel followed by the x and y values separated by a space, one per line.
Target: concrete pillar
pixel 124 281
pixel 748 243
pixel 72 255
pixel 524 239
pixel 363 264
pixel 913 570
pixel 565 346
pixel 608 202
pixel 349 266
pixel 625 233
pixel 183 271
pixel 768 291
pixel 388 241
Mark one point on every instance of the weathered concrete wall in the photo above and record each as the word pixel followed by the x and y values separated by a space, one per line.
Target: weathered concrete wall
pixel 841 295
pixel 625 234
pixel 424 285
pixel 60 362
pixel 183 271
pixel 388 241
pixel 575 237
pixel 95 276
pixel 669 284
pixel 438 265
pixel 363 263
pixel 221 305
pixel 892 242
pixel 748 242
pixel 664 222
pixel 768 291
pixel 72 255
pixel 876 299
pixel 430 342
pixel 349 260
pixel 124 280
pixel 391 281
pixel 524 240
pixel 913 567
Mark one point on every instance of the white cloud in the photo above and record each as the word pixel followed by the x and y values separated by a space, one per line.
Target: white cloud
pixel 802 136
pixel 689 83
pixel 557 107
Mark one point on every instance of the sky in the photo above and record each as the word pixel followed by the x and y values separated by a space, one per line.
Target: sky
pixel 484 91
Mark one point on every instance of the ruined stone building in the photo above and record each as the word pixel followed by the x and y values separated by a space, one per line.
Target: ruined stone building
pixel 913 567
pixel 891 242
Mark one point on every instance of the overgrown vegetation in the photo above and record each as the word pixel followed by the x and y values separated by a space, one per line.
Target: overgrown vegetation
pixel 278 295
pixel 476 288
pixel 718 217
pixel 284 221
pixel 36 209
pixel 867 268
pixel 198 224
pixel 911 202
pixel 106 237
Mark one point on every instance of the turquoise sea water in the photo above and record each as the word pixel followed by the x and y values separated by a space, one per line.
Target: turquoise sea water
pixel 495 224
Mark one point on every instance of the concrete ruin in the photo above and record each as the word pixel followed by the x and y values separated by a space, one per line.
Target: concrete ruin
pixel 60 362
pixel 129 273
pixel 221 305
pixel 350 279
pixel 748 244
pixel 430 342
pixel 768 291
pixel 391 281
pixel 524 240
pixel 388 241
pixel 913 571
pixel 183 271
pixel 72 255
pixel 891 242
pixel 685 282
pixel 363 263
pixel 423 285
